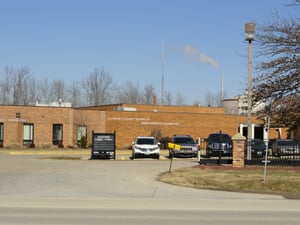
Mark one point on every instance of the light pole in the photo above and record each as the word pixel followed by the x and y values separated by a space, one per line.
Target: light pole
pixel 249 36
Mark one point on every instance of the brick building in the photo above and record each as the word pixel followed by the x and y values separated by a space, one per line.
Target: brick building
pixel 45 126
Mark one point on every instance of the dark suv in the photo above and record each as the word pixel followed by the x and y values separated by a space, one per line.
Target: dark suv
pixel 218 144
pixel 285 147
pixel 258 148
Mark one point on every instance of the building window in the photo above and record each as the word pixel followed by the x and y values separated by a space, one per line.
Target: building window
pixel 28 134
pixel 81 136
pixel 57 134
pixel 1 134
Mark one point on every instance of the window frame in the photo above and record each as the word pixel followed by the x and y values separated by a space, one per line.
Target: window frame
pixel 57 134
pixel 1 134
pixel 81 132
pixel 29 132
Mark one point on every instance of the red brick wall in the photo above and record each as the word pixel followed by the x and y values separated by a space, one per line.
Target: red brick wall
pixel 94 120
pixel 131 124
pixel 43 119
pixel 169 120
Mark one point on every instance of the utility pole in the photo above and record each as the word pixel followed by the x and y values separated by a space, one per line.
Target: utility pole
pixel 249 36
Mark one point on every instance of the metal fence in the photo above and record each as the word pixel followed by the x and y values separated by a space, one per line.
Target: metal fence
pixel 277 153
pixel 288 155
pixel 218 157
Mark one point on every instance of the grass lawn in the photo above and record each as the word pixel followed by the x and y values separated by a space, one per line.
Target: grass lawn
pixel 282 181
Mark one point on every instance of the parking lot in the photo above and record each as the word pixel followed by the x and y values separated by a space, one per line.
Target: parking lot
pixel 25 174
pixel 42 189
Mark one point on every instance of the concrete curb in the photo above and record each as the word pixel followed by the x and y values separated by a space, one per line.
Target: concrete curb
pixel 62 152
pixel 85 154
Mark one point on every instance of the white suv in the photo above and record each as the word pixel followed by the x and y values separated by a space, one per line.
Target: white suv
pixel 145 146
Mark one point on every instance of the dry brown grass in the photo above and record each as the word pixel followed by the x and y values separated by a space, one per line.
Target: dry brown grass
pixel 283 182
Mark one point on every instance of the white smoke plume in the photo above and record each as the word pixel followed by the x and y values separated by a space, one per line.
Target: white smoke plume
pixel 196 56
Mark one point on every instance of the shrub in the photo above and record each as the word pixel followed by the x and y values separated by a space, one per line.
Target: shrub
pixel 83 142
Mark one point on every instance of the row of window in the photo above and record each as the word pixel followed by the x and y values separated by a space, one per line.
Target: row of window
pixel 57 134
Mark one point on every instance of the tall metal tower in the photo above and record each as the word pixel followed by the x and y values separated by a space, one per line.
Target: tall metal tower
pixel 162 74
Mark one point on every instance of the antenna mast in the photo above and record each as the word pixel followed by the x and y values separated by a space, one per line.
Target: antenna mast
pixel 162 74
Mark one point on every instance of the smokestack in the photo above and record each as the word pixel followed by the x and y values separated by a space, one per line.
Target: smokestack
pixel 154 100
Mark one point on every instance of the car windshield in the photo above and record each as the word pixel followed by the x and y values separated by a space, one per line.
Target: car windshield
pixel 145 141
pixel 218 137
pixel 184 140
pixel 258 142
pixel 288 143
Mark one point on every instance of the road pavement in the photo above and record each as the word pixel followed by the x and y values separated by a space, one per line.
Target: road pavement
pixel 35 189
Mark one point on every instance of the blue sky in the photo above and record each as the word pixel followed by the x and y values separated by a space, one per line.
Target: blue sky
pixel 68 39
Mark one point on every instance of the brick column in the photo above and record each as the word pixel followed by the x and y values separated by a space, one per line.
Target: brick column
pixel 238 151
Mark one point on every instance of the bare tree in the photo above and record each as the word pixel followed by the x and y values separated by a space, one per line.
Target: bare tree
pixel 3 95
pixel 212 100
pixel 19 85
pixel 279 71
pixel 30 89
pixel 168 98
pixel 44 91
pixel 179 99
pixel 6 86
pixel 74 93
pixel 58 90
pixel 129 93
pixel 149 93
pixel 98 87
pixel 197 102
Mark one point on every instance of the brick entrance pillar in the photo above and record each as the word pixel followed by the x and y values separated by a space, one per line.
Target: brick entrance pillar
pixel 238 151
